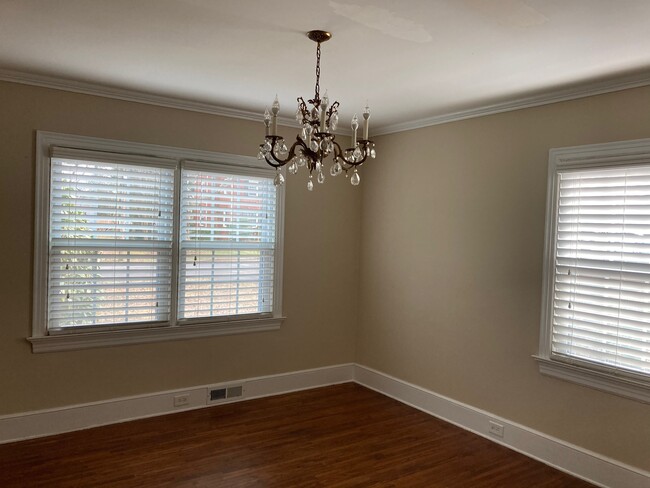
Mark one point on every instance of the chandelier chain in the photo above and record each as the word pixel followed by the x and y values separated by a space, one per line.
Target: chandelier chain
pixel 317 89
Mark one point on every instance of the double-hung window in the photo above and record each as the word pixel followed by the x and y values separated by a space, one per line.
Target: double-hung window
pixel 139 243
pixel 596 305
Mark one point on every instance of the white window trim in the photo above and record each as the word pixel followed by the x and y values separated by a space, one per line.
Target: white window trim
pixel 629 385
pixel 43 342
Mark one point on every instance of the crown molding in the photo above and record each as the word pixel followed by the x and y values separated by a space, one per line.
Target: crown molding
pixel 99 90
pixel 561 95
pixel 554 96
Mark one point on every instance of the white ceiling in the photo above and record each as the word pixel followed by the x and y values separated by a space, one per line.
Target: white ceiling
pixel 410 59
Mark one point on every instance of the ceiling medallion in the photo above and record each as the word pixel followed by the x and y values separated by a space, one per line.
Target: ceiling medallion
pixel 316 139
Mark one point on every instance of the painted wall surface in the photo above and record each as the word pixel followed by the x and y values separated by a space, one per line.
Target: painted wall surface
pixel 451 267
pixel 444 243
pixel 314 334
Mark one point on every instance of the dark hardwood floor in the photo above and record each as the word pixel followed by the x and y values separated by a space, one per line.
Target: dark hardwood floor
pixel 338 436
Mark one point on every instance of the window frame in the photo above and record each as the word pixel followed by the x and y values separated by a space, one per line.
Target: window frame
pixel 43 340
pixel 623 383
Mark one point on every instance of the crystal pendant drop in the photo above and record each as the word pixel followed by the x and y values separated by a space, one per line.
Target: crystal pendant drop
pixel 293 167
pixel 301 161
pixel 279 179
pixel 321 178
pixel 314 146
pixel 318 166
pixel 260 154
pixel 356 179
pixel 336 169
pixel 299 115
pixel 267 146
pixel 303 134
pixel 278 148
pixel 326 145
pixel 334 121
pixel 310 184
pixel 373 153
pixel 357 154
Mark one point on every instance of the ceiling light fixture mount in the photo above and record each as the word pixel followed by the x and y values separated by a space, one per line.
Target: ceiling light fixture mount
pixel 319 35
pixel 316 140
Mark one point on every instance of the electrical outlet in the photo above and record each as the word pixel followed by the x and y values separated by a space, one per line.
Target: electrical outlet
pixel 181 400
pixel 496 429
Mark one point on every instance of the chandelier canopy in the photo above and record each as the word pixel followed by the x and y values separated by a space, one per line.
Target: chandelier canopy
pixel 316 140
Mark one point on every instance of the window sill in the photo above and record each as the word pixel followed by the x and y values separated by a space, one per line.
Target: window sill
pixel 86 340
pixel 622 386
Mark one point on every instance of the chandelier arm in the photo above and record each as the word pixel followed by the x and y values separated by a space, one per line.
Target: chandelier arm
pixel 302 106
pixel 275 161
pixel 338 152
pixel 332 110
pixel 338 156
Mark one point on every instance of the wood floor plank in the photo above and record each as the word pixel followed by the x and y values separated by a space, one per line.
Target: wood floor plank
pixel 340 436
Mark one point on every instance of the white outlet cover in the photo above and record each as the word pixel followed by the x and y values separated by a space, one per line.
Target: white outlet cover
pixel 496 429
pixel 181 400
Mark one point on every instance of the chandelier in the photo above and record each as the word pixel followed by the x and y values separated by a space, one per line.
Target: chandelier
pixel 316 140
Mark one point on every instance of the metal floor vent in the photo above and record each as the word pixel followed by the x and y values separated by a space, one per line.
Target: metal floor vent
pixel 218 394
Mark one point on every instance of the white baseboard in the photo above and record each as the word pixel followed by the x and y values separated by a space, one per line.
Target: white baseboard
pixel 561 455
pixel 571 459
pixel 76 417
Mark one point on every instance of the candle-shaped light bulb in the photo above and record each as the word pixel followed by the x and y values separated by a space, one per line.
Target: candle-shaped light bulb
pixel 267 121
pixel 366 116
pixel 325 101
pixel 275 108
pixel 355 126
pixel 323 110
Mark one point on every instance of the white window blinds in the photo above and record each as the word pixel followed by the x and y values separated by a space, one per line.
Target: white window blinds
pixel 227 244
pixel 601 296
pixel 110 242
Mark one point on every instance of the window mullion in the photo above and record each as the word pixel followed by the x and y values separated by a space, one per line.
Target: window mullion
pixel 175 283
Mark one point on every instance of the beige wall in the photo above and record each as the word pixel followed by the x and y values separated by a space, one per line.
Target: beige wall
pixel 450 250
pixel 314 334
pixel 451 269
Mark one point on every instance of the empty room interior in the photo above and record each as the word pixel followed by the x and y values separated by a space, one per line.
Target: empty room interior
pixel 325 244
